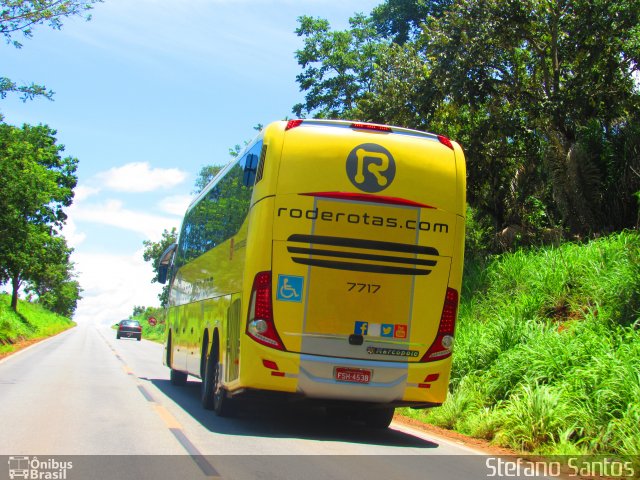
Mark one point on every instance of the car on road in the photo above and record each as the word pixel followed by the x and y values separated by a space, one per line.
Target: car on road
pixel 129 329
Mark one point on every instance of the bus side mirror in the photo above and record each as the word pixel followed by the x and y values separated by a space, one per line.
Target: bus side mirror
pixel 250 168
pixel 165 261
pixel 162 273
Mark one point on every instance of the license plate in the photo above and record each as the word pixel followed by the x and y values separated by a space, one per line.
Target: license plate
pixel 352 375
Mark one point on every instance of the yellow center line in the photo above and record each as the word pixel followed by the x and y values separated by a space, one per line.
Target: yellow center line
pixel 169 420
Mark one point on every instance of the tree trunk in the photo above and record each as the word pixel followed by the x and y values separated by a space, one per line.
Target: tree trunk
pixel 15 282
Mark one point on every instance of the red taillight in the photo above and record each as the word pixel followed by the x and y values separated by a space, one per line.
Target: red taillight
pixel 260 325
pixel 443 344
pixel 293 124
pixel 445 141
pixel 371 126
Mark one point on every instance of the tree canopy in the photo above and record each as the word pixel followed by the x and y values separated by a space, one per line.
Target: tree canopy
pixel 19 17
pixel 542 95
pixel 37 184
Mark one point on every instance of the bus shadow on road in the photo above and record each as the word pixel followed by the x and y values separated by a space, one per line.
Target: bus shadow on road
pixel 284 421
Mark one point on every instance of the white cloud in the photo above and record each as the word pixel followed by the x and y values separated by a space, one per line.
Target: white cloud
pixel 175 204
pixel 82 192
pixel 71 233
pixel 112 212
pixel 140 177
pixel 112 286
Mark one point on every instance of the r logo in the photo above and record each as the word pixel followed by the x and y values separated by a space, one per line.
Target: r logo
pixel 371 167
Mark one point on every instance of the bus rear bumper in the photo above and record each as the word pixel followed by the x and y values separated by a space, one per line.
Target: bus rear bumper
pixel 317 377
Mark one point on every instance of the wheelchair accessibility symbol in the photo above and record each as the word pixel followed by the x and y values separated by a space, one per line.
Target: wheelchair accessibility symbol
pixel 290 288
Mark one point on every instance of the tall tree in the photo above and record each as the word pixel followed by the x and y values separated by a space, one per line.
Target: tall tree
pixel 37 184
pixel 542 94
pixel 53 279
pixel 20 16
pixel 337 65
pixel 554 79
pixel 402 20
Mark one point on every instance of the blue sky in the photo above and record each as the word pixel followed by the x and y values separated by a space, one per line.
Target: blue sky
pixel 147 93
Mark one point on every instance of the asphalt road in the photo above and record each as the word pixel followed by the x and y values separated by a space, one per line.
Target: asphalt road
pixel 107 406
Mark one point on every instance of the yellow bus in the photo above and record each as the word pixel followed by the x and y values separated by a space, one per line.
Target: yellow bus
pixel 324 264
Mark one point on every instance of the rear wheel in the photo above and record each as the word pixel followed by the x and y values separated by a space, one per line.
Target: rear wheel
pixel 208 382
pixel 378 417
pixel 178 378
pixel 117 336
pixel 223 405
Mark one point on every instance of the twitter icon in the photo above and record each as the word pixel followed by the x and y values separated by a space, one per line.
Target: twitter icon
pixel 386 330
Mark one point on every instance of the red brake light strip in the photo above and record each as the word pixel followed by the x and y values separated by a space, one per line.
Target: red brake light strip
pixel 364 197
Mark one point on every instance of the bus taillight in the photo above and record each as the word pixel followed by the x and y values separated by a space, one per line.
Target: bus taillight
pixel 293 124
pixel 260 325
pixel 445 141
pixel 443 344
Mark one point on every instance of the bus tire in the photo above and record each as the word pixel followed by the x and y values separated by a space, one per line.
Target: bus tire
pixel 208 382
pixel 178 378
pixel 223 405
pixel 378 417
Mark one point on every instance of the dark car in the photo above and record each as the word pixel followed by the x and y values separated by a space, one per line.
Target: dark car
pixel 129 329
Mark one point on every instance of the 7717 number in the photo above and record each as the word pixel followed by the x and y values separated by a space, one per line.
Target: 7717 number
pixel 363 287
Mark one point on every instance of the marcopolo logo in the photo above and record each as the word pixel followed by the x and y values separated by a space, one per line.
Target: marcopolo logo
pixel 371 167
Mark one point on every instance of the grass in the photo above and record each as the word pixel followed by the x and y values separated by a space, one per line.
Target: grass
pixel 153 333
pixel 32 322
pixel 547 355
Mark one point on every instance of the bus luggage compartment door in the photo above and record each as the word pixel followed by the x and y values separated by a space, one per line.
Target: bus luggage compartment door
pixel 364 285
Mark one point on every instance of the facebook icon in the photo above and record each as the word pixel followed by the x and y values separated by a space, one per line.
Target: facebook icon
pixel 361 328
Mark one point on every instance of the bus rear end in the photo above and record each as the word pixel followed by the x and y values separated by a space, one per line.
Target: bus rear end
pixel 367 252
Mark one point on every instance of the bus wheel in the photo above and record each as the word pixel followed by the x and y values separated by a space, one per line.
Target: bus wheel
pixel 208 382
pixel 378 417
pixel 222 405
pixel 178 378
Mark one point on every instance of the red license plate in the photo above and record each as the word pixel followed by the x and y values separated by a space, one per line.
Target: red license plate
pixel 352 375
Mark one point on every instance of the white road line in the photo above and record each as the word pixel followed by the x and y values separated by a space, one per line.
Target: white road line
pixel 431 436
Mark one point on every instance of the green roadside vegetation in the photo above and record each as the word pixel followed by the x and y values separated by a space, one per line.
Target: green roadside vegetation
pixel 547 355
pixel 155 333
pixel 150 332
pixel 32 322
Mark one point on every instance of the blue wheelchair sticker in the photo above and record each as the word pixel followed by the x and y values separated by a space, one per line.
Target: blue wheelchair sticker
pixel 290 288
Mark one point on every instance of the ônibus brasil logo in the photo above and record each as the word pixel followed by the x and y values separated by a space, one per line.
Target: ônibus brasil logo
pixel 33 468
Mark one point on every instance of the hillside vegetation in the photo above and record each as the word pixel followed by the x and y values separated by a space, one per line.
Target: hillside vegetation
pixel 31 323
pixel 547 355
